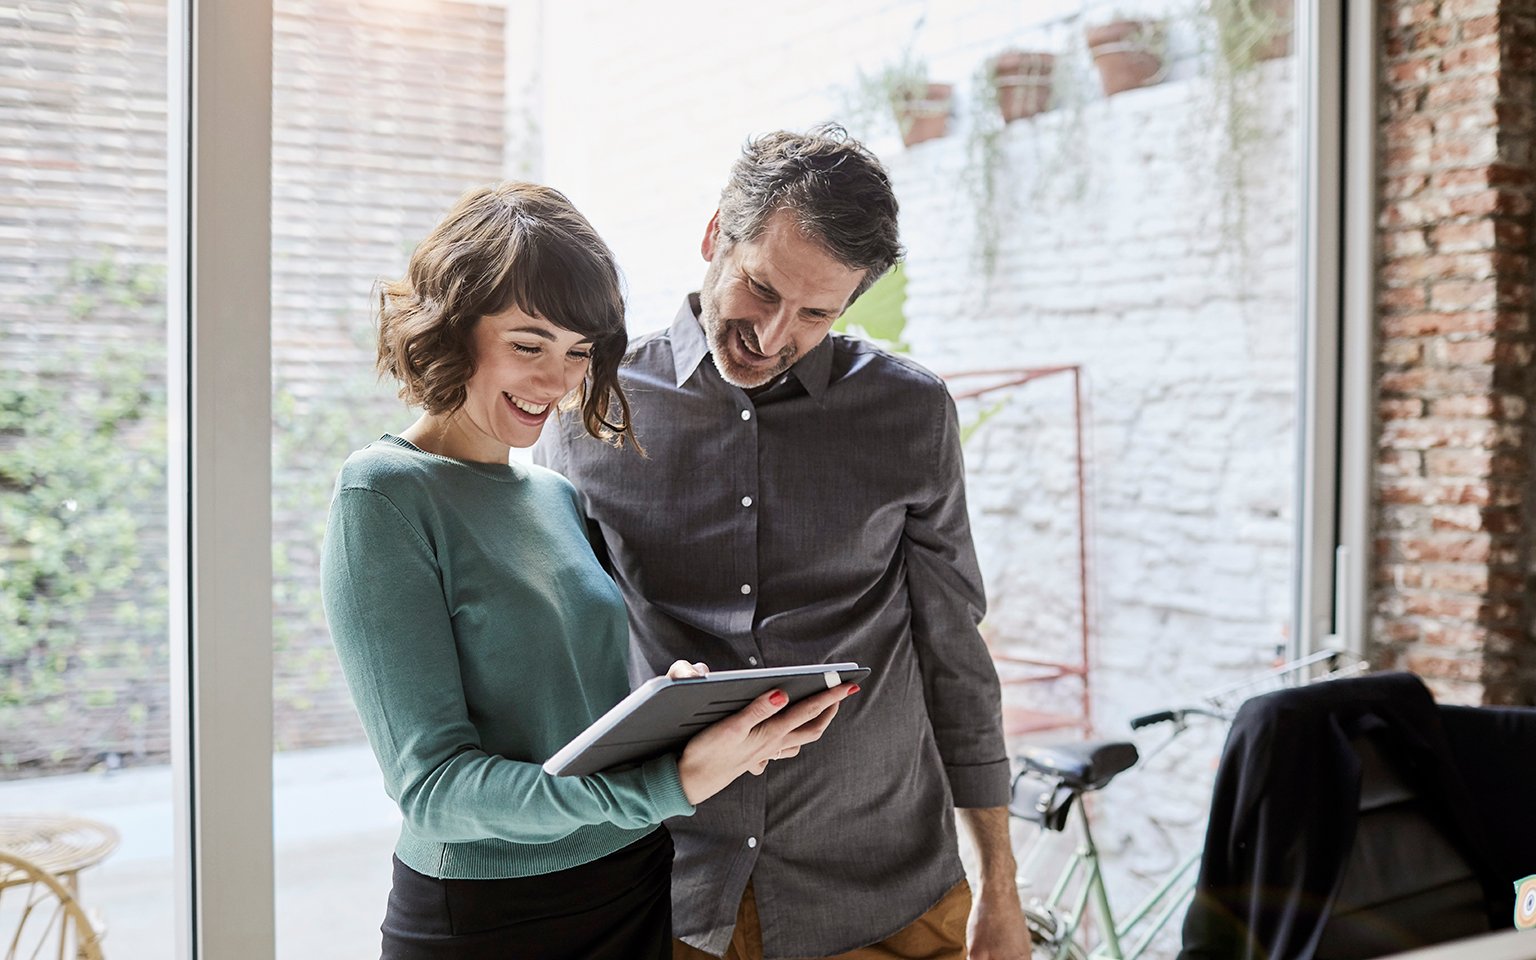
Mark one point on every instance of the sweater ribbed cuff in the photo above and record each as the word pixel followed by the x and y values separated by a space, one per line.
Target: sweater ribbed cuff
pixel 665 787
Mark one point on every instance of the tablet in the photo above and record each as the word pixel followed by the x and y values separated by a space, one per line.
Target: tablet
pixel 662 714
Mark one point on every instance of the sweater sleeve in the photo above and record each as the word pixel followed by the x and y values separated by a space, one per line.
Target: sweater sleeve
pixel 384 601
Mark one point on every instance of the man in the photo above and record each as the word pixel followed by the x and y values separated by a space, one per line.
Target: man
pixel 801 500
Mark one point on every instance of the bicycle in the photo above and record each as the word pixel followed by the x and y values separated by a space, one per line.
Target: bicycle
pixel 1052 782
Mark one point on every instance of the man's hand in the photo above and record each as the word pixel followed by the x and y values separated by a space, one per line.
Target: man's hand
pixel 997 930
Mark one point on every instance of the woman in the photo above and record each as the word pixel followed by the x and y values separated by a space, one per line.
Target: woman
pixel 476 629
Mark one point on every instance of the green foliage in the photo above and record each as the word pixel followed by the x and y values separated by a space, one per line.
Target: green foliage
pixel 82 468
pixel 968 430
pixel 983 175
pixel 310 439
pixel 880 314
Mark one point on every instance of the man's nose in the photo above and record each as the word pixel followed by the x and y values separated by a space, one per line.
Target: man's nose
pixel 775 332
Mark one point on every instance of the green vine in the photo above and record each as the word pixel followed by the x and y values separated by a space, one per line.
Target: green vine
pixel 82 472
pixel 1242 34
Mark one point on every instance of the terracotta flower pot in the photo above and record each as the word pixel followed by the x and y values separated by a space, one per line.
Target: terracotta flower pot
pixel 1127 53
pixel 1278 43
pixel 924 117
pixel 1023 82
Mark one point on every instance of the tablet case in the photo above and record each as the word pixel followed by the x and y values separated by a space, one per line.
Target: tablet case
pixel 662 714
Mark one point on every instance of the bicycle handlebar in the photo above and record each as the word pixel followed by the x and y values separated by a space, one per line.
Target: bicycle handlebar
pixel 1174 716
pixel 1147 720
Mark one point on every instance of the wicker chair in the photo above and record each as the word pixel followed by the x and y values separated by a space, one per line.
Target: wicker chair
pixel 40 912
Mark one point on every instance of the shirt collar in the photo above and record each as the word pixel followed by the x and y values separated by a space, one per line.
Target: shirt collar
pixel 688 343
pixel 689 348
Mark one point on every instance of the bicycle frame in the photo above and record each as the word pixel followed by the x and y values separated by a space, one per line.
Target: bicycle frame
pixel 1146 921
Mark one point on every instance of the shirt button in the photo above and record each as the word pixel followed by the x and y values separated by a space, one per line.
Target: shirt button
pixel 746 588
pixel 752 660
pixel 746 501
pixel 746 414
pixel 751 842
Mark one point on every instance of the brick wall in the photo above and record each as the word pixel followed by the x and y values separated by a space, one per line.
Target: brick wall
pixel 1458 114
pixel 383 113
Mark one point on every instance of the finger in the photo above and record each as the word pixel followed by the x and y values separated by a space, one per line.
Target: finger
pixel 788 752
pixel 758 711
pixel 809 709
pixel 703 668
pixel 759 767
pixel 682 669
pixel 812 730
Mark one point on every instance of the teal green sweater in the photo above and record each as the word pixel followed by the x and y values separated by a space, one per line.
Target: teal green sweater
pixel 478 634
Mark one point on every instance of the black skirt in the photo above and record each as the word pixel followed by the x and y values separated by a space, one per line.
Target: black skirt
pixel 616 908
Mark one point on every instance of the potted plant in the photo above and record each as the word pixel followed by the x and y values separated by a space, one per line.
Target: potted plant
pixel 922 110
pixel 1128 53
pixel 900 90
pixel 1022 82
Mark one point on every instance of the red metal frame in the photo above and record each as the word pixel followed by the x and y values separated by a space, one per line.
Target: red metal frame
pixel 1019 720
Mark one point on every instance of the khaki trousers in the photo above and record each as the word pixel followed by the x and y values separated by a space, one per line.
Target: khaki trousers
pixel 938 934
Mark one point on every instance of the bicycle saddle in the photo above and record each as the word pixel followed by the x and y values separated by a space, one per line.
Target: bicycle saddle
pixel 1082 766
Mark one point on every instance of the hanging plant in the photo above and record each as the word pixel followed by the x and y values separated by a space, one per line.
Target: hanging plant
pixel 901 91
pixel 1128 53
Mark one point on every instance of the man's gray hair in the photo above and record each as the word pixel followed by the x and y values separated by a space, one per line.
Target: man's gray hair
pixel 836 189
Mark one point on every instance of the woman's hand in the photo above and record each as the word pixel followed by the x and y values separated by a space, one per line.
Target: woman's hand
pixel 758 734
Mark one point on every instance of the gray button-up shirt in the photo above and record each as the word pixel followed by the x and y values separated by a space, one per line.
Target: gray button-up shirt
pixel 821 520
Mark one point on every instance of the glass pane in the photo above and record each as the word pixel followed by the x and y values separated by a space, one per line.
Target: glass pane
pixel 85 780
pixel 383 114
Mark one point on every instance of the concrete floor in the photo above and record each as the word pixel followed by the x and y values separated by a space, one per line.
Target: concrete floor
pixel 334 831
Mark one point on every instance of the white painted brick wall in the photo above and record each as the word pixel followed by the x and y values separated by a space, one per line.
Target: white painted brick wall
pixel 1114 258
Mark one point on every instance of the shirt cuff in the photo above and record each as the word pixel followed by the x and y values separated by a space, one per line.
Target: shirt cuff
pixel 665 787
pixel 979 784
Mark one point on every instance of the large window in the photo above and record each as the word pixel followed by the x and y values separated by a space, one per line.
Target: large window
pixel 1111 273
pixel 383 113
pixel 85 650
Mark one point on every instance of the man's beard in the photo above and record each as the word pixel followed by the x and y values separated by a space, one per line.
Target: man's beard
pixel 726 338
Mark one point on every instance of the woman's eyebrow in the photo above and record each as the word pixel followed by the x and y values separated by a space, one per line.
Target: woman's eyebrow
pixel 545 333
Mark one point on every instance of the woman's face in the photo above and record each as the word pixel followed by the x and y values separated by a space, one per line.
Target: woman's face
pixel 523 366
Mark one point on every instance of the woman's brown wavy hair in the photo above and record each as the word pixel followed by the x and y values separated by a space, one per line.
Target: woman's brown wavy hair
pixel 504 245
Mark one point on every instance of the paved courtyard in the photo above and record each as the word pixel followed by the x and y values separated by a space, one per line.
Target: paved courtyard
pixel 333 827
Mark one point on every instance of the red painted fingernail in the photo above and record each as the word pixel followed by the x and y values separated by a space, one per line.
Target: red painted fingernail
pixel 778 698
pixel 853 689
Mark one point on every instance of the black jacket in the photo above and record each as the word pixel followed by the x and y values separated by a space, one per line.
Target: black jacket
pixel 1283 811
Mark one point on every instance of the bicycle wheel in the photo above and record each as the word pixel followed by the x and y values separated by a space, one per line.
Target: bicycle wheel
pixel 1045 937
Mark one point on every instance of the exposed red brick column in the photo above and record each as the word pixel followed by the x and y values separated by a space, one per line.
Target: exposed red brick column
pixel 1455 506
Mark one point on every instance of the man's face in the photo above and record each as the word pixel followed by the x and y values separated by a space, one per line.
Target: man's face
pixel 768 302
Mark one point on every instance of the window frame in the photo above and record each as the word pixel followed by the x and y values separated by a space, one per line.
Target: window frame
pixel 1337 292
pixel 219 466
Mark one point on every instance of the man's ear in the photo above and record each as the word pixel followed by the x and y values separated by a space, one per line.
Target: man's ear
pixel 711 238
